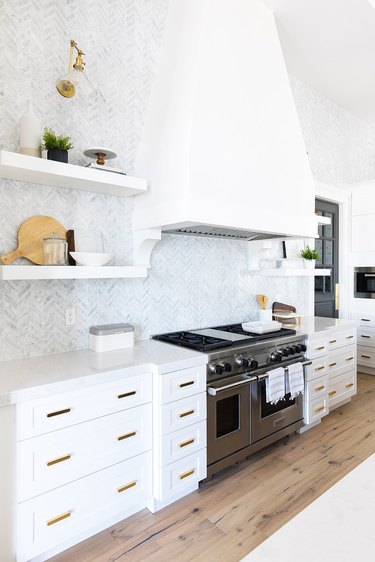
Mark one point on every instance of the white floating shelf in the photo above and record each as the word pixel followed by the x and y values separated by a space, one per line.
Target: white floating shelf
pixel 290 272
pixel 20 167
pixel 23 272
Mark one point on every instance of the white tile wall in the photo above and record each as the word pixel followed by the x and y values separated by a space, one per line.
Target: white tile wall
pixel 194 282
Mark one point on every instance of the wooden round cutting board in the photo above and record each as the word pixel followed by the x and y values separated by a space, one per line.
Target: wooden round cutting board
pixel 30 238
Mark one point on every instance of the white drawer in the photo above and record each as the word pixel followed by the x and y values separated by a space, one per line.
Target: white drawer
pixel 342 360
pixel 55 517
pixel 183 442
pixel 364 319
pixel 187 411
pixel 316 388
pixel 366 356
pixel 176 477
pixel 342 387
pixel 54 459
pixel 316 409
pixel 342 338
pixel 180 384
pixel 366 337
pixel 317 368
pixel 68 408
pixel 316 347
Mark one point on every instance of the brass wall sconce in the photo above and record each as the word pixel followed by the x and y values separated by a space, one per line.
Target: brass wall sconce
pixel 66 86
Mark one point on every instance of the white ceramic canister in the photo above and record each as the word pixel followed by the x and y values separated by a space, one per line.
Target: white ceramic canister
pixel 30 133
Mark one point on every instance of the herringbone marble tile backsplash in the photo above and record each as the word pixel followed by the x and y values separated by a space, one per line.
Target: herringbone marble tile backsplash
pixel 194 282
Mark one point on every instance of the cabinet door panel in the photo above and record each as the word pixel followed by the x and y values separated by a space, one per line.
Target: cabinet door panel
pixel 52 518
pixel 69 408
pixel 54 459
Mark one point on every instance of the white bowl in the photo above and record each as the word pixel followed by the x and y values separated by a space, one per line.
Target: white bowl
pixel 91 258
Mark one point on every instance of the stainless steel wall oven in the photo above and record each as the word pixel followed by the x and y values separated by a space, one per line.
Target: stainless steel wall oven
pixel 364 282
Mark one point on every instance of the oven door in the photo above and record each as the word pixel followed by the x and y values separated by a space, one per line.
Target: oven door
pixel 267 418
pixel 228 416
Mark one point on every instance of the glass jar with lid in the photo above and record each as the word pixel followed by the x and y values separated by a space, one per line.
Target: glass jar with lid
pixel 55 250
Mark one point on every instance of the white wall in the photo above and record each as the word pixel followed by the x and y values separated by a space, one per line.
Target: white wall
pixel 194 282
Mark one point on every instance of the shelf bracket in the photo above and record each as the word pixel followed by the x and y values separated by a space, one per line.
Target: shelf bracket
pixel 144 242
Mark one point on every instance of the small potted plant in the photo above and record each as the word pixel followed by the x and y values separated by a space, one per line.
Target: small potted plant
pixel 309 255
pixel 56 146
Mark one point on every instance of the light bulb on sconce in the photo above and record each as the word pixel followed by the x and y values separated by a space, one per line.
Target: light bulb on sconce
pixel 76 77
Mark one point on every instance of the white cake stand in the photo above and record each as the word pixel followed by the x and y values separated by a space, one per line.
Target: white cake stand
pixel 100 153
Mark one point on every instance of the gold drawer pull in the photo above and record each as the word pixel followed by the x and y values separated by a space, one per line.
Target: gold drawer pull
pixel 349 385
pixel 319 348
pixel 58 413
pixel 320 387
pixel 126 394
pixel 366 356
pixel 186 443
pixel 183 384
pixel 332 392
pixel 367 337
pixel 59 518
pixel 332 341
pixel 349 337
pixel 319 368
pixel 188 413
pixel 126 486
pixel 126 435
pixel 319 409
pixel 349 358
pixel 59 459
pixel 186 474
pixel 332 364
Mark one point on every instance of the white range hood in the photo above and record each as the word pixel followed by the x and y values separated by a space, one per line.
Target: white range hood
pixel 222 146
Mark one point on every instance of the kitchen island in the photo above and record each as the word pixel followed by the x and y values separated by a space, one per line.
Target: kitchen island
pixel 339 525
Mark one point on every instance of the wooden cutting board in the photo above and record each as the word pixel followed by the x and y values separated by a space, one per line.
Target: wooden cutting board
pixel 30 238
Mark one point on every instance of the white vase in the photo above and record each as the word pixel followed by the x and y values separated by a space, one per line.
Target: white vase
pixel 30 131
pixel 309 264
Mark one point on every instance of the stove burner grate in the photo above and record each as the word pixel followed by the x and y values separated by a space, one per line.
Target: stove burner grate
pixel 194 341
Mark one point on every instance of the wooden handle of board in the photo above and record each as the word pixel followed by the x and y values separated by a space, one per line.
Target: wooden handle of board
pixel 8 258
pixel 21 252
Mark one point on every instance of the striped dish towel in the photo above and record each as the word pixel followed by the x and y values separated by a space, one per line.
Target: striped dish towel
pixel 295 379
pixel 275 385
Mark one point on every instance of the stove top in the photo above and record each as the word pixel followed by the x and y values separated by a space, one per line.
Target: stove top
pixel 220 337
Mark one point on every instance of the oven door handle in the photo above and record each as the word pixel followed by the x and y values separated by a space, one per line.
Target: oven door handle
pixel 212 391
pixel 304 364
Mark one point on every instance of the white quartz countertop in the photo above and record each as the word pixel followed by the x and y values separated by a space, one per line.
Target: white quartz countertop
pixel 313 324
pixel 35 377
pixel 338 526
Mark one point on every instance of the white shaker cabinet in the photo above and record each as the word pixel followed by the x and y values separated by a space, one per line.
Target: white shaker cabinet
pixel 179 429
pixel 331 379
pixel 366 341
pixel 84 461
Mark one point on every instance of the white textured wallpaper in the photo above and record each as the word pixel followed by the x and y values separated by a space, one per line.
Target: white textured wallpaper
pixel 340 146
pixel 194 282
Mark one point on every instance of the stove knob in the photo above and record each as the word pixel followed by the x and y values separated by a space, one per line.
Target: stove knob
pixel 297 348
pixel 284 351
pixel 275 356
pixel 291 350
pixel 253 364
pixel 216 369
pixel 242 362
pixel 303 347
pixel 227 367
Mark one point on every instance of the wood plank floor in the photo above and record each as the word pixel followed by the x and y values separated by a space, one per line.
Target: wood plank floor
pixel 245 504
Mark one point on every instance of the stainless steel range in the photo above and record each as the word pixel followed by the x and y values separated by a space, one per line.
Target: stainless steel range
pixel 239 419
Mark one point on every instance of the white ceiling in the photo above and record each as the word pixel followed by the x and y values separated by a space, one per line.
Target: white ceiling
pixel 330 45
